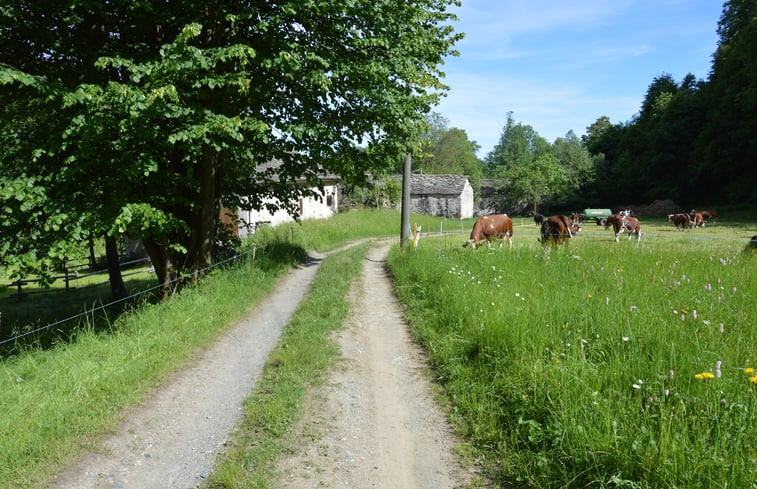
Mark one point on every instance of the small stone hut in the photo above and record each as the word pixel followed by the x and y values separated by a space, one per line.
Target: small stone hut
pixel 441 195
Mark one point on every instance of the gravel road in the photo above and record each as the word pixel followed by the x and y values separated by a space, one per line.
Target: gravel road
pixel 375 421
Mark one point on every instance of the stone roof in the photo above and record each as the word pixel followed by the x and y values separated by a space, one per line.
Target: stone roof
pixel 272 165
pixel 436 184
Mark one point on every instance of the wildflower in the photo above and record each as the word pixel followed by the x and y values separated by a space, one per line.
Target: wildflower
pixel 694 313
pixel 589 296
pixel 708 287
pixel 633 308
pixel 704 376
pixel 625 338
pixel 667 392
pixel 721 327
pixel 607 301
pixel 636 386
pixel 753 379
pixel 717 369
pixel 723 401
pixel 748 370
pixel 671 374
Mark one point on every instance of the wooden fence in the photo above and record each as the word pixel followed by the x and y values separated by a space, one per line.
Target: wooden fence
pixel 70 274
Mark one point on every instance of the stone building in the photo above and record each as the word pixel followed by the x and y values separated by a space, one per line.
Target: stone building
pixel 441 195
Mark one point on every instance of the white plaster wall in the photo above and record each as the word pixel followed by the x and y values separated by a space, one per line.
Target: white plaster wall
pixel 466 201
pixel 313 207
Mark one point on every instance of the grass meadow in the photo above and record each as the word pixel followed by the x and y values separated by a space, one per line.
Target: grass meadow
pixel 599 364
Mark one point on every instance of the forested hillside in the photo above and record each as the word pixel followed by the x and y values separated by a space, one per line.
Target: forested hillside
pixel 693 141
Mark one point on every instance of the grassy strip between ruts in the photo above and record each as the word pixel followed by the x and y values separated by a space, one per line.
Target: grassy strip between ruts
pixel 299 361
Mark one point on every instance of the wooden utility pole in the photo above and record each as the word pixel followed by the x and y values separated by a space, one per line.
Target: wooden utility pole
pixel 405 230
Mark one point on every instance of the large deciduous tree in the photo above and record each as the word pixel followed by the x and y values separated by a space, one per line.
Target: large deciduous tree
pixel 151 114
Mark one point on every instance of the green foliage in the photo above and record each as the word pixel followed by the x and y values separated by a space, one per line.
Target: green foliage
pixel 118 114
pixel 537 180
pixel 692 141
pixel 578 368
pixel 518 145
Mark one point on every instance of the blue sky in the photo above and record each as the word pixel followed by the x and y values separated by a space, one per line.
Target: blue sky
pixel 560 65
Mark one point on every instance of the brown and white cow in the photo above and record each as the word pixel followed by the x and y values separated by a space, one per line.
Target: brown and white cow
pixel 697 221
pixel 558 230
pixel 709 216
pixel 680 220
pixel 624 224
pixel 488 228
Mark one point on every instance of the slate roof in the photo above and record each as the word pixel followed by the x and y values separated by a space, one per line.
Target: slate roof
pixel 324 176
pixel 437 184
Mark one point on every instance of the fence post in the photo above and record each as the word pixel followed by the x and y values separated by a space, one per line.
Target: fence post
pixel 252 259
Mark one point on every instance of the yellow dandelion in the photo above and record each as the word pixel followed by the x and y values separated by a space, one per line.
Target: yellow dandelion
pixel 753 379
pixel 749 370
pixel 704 376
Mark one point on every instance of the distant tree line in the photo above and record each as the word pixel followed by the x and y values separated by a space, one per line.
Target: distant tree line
pixel 694 142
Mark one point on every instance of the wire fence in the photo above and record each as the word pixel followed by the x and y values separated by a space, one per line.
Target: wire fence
pixel 70 274
pixel 114 302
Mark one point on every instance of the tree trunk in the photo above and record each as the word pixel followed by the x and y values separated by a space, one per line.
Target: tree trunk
pixel 205 222
pixel 162 264
pixel 92 257
pixel 117 287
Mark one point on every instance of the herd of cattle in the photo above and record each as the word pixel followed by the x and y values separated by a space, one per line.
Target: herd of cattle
pixel 559 229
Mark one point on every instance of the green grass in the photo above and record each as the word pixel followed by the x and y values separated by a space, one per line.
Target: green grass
pixel 509 390
pixel 56 402
pixel 575 367
pixel 321 235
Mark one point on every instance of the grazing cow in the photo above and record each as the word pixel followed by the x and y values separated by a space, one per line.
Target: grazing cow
pixel 697 221
pixel 624 224
pixel 558 230
pixel 488 228
pixel 680 220
pixel 709 215
pixel 538 219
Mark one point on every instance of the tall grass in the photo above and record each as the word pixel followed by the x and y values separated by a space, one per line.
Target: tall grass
pixel 582 366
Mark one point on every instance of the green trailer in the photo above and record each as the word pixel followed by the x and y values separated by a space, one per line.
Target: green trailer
pixel 598 215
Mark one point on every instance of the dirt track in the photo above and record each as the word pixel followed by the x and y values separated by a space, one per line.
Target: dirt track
pixel 374 424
